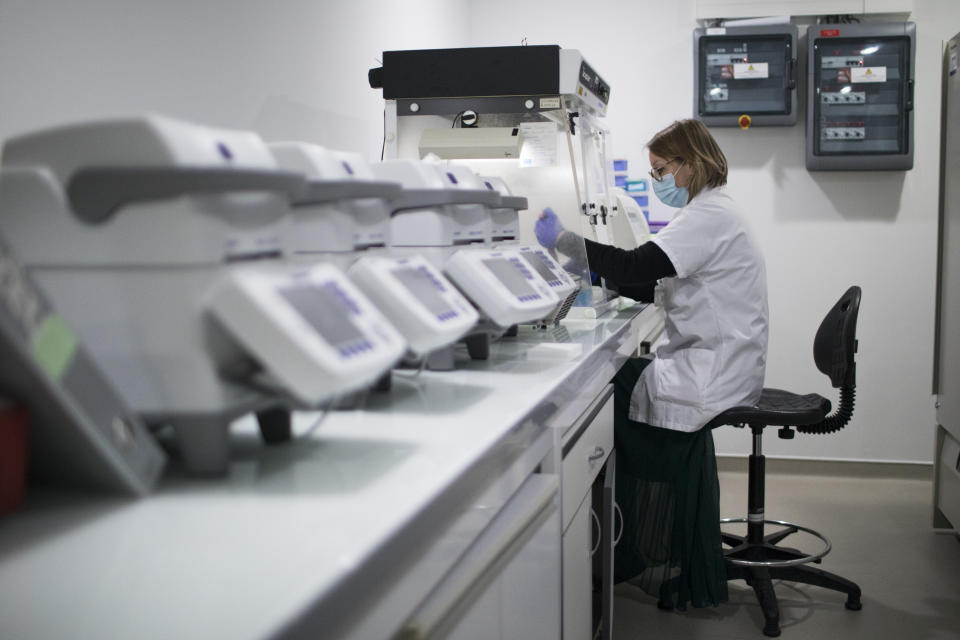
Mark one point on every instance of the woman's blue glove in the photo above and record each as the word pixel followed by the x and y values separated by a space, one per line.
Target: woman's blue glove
pixel 548 228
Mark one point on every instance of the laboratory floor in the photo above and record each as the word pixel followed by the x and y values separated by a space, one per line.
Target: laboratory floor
pixel 878 518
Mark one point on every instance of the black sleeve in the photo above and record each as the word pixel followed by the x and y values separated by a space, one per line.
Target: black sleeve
pixel 641 266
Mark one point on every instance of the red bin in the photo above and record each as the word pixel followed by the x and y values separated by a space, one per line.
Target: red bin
pixel 14 421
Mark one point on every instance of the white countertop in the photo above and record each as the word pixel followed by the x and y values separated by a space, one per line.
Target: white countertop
pixel 291 525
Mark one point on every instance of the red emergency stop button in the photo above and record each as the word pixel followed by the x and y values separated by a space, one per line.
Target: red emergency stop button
pixel 744 122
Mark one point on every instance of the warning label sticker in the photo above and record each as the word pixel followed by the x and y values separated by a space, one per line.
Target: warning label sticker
pixel 868 74
pixel 751 70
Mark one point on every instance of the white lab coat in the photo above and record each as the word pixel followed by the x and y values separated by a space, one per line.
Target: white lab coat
pixel 716 315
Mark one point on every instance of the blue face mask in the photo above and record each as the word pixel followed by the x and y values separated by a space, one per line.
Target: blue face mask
pixel 669 193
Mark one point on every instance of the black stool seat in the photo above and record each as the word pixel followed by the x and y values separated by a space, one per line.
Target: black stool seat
pixel 777 407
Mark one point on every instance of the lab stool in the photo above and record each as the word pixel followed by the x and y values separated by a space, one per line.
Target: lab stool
pixel 758 557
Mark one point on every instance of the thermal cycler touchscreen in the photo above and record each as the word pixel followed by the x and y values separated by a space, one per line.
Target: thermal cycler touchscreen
pixel 421 284
pixel 328 310
pixel 540 265
pixel 510 276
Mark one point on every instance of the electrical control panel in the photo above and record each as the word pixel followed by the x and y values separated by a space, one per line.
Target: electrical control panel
pixel 745 75
pixel 860 96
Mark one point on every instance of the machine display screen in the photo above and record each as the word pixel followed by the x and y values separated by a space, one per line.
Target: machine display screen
pixel 511 276
pixel 540 265
pixel 419 282
pixel 328 310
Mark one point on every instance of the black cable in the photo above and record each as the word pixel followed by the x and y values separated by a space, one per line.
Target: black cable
pixel 847 18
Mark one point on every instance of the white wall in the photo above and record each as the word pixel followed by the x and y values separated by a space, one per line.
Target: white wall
pixel 821 231
pixel 287 69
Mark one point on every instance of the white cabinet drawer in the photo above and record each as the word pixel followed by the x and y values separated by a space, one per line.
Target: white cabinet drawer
pixel 519 551
pixel 585 452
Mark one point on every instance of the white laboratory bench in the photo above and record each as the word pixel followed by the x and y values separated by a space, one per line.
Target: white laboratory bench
pixel 365 526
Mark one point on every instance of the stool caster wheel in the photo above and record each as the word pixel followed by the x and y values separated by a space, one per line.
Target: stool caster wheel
pixel 771 630
pixel 853 605
pixel 664 606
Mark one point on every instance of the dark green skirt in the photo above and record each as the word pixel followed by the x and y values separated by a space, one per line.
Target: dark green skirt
pixel 669 493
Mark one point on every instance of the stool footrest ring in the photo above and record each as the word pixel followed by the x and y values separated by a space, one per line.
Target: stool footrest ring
pixel 778 563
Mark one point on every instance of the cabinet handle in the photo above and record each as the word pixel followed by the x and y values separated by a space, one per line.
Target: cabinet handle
pixel 598 454
pixel 596 521
pixel 617 512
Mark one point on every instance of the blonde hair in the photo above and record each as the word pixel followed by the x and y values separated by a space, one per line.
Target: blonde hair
pixel 690 141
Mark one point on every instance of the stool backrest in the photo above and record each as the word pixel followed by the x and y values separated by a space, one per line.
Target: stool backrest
pixel 836 340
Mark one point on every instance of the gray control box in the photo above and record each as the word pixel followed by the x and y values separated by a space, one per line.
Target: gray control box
pixel 860 96
pixel 745 71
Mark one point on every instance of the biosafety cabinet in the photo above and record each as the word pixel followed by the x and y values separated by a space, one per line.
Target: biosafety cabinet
pixel 745 75
pixel 529 115
pixel 860 96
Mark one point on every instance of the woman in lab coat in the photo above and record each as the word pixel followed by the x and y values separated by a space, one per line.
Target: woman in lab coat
pixel 708 274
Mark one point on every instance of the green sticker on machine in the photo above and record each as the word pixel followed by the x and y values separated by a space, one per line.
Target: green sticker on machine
pixel 54 346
